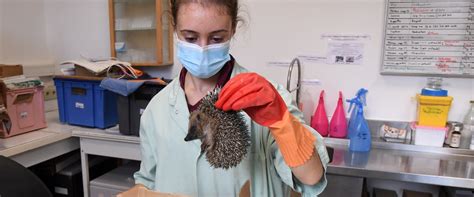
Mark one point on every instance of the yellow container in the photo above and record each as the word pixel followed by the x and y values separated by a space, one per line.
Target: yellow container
pixel 433 110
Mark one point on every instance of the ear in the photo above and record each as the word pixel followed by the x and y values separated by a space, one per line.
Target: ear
pixel 233 31
pixel 207 142
pixel 208 137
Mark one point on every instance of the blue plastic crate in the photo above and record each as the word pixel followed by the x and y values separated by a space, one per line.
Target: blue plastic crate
pixel 85 103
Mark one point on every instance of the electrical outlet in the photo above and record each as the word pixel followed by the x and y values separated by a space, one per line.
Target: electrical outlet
pixel 49 92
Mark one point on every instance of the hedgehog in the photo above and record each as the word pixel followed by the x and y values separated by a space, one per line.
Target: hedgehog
pixel 224 136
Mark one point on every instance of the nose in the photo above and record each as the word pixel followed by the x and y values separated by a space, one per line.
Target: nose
pixel 203 42
pixel 192 134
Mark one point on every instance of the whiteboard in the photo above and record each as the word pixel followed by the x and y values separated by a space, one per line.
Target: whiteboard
pixel 429 38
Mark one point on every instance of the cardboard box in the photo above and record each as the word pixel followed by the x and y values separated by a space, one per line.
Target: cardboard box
pixel 10 70
pixel 430 136
pixel 141 191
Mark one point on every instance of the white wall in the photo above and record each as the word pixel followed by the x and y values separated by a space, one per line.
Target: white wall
pixel 276 30
pixel 1 32
pixel 77 27
pixel 282 29
pixel 23 38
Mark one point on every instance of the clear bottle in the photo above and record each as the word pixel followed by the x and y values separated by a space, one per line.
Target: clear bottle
pixel 466 134
pixel 434 83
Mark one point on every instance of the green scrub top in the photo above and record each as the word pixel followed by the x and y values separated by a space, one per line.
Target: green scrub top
pixel 171 165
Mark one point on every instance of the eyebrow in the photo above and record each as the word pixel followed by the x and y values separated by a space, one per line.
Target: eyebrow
pixel 194 32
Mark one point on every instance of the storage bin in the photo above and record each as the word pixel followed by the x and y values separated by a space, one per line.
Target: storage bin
pixel 83 102
pixel 115 181
pixel 25 108
pixel 68 181
pixel 409 193
pixel 430 136
pixel 63 174
pixel 131 108
pixel 384 193
pixel 433 110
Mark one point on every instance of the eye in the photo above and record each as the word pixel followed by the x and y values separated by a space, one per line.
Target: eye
pixel 190 39
pixel 198 117
pixel 216 39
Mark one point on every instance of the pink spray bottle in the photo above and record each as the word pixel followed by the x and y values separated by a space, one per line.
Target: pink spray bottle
pixel 320 119
pixel 338 125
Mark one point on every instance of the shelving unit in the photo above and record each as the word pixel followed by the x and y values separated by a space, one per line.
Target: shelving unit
pixel 141 32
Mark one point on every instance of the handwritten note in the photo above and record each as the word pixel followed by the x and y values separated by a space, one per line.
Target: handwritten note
pixel 429 38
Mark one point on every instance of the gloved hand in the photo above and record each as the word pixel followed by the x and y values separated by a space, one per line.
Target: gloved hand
pixel 256 96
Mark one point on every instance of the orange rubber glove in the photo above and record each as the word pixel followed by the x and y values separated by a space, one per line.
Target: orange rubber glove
pixel 253 94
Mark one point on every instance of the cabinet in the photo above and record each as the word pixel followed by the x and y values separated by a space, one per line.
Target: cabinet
pixel 141 32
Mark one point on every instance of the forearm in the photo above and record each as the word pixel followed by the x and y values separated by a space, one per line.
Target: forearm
pixel 311 171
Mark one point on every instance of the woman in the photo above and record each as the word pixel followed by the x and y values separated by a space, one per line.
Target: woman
pixel 284 151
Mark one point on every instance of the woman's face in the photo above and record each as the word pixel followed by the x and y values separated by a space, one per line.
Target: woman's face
pixel 203 25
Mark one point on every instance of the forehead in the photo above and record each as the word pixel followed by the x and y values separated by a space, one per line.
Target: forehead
pixel 203 17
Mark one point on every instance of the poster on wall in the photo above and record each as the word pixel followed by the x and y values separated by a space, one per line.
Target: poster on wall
pixel 351 53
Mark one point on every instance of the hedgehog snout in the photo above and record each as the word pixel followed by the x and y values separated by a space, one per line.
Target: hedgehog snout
pixel 192 134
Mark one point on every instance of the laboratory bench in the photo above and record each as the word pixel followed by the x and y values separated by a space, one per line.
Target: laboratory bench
pixel 109 143
pixel 32 148
pixel 388 161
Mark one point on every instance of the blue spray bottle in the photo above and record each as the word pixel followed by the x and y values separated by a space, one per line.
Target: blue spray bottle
pixel 360 99
pixel 361 139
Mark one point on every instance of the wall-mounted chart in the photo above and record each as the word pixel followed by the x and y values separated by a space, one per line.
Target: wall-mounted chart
pixel 429 38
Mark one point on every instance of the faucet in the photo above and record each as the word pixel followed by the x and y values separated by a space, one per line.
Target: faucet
pixel 298 83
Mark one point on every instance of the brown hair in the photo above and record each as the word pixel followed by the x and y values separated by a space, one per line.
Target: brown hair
pixel 232 8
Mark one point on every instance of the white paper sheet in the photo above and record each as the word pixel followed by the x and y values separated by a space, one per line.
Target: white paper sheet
pixel 345 53
pixel 313 59
pixel 346 37
pixel 279 63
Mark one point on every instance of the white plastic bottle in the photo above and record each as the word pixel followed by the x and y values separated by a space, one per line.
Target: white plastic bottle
pixel 466 134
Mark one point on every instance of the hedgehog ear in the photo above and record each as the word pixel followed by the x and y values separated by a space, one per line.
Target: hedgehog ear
pixel 207 142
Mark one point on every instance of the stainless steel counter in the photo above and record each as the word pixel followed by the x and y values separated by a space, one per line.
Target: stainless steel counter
pixel 404 162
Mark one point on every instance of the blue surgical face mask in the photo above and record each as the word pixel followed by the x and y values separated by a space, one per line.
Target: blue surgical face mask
pixel 203 62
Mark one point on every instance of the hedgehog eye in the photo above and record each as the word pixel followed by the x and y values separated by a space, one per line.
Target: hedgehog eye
pixel 198 117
